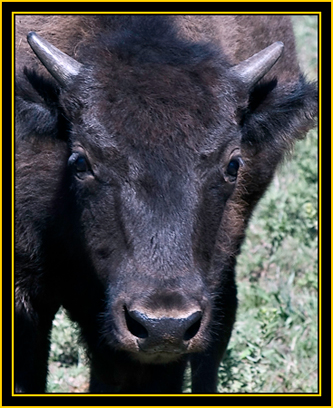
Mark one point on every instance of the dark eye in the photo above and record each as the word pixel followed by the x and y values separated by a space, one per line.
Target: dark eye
pixel 233 167
pixel 78 162
pixel 81 164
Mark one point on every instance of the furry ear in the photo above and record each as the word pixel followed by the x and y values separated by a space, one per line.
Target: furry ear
pixel 37 110
pixel 278 114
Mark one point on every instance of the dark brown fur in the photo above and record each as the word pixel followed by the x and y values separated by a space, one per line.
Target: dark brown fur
pixel 145 230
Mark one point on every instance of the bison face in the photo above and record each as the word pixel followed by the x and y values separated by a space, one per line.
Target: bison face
pixel 149 221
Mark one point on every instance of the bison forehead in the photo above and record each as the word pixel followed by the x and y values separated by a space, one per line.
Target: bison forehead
pixel 162 106
pixel 157 87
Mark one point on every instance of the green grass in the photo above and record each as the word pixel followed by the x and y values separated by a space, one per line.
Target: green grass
pixel 274 347
pixel 68 368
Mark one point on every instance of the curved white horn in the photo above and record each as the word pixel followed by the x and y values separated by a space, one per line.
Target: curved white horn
pixel 254 68
pixel 60 65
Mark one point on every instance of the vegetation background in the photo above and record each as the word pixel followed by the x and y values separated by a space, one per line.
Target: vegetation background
pixel 274 345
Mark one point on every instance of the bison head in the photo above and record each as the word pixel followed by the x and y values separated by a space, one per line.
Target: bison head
pixel 169 150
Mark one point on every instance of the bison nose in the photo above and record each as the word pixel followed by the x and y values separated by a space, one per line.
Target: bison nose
pixel 160 333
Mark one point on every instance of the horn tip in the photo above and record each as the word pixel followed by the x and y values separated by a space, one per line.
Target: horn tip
pixel 279 46
pixel 31 35
pixel 33 39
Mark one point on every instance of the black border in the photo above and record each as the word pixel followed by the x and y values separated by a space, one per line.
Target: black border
pixel 132 7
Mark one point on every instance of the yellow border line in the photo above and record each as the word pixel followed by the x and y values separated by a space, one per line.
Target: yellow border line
pixel 319 202
pixel 183 1
pixel 1 225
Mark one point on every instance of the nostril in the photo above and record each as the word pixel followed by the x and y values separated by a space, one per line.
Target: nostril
pixel 136 328
pixel 158 329
pixel 194 328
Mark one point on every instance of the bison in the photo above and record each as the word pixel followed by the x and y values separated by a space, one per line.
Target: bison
pixel 143 143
